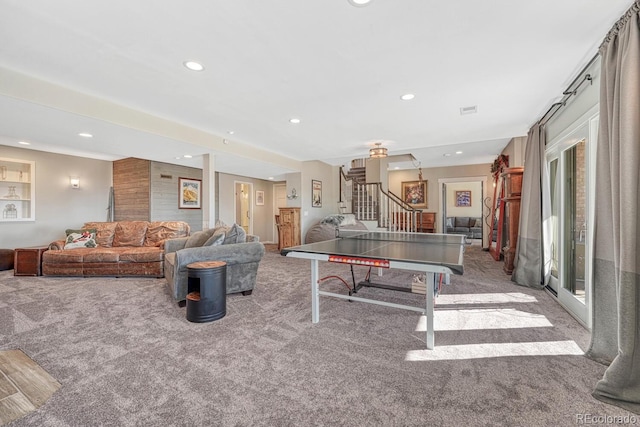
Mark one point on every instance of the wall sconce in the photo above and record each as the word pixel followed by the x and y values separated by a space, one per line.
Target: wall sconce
pixel 293 195
pixel 74 181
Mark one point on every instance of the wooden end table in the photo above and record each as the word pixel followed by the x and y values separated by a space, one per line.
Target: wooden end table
pixel 28 261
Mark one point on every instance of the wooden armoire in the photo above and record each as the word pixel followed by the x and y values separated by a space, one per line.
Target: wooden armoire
pixel 512 181
pixel 288 223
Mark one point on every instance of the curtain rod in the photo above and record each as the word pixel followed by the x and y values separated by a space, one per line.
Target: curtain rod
pixel 568 93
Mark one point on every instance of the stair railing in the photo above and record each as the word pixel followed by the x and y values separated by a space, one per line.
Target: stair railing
pixel 369 202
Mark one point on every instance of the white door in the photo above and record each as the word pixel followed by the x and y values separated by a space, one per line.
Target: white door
pixel 569 163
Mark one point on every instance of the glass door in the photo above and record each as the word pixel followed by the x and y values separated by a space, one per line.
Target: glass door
pixel 568 162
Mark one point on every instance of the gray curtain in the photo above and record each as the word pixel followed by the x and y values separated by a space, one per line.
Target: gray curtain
pixel 529 259
pixel 615 336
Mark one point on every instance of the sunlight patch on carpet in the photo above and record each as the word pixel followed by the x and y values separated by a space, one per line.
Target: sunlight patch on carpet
pixel 480 351
pixel 494 298
pixel 494 318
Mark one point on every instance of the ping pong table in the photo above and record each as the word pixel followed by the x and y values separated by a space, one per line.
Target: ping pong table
pixel 431 254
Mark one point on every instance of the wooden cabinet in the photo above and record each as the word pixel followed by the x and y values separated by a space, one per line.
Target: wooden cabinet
pixel 428 223
pixel 28 261
pixel 17 190
pixel 288 227
pixel 512 178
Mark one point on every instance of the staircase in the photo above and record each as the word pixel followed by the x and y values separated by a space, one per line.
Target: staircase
pixel 369 202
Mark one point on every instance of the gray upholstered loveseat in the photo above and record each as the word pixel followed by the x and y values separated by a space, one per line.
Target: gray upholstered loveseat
pixel 469 226
pixel 241 252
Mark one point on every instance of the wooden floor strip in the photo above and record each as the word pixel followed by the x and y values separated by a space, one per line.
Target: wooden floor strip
pixel 24 385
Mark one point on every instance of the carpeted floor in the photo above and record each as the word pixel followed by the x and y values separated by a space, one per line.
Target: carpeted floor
pixel 126 356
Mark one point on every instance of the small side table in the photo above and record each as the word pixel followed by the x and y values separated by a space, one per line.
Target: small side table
pixel 28 261
pixel 206 291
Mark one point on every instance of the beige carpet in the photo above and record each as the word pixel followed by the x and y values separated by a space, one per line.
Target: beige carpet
pixel 126 355
pixel 24 385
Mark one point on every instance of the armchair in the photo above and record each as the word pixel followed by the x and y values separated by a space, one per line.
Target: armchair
pixel 242 264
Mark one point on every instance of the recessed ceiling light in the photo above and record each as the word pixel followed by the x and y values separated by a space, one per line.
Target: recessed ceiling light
pixel 359 3
pixel 271 178
pixel 397 167
pixel 24 143
pixel 85 135
pixel 294 121
pixel 187 156
pixel 407 97
pixel 178 158
pixel 458 152
pixel 447 154
pixel 231 132
pixel 194 66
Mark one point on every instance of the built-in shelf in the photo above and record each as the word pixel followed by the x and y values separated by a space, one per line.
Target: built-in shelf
pixel 17 190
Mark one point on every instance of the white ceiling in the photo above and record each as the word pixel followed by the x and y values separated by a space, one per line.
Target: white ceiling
pixel 117 72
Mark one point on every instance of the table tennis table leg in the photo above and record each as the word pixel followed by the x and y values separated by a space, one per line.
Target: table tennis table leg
pixel 315 295
pixel 430 285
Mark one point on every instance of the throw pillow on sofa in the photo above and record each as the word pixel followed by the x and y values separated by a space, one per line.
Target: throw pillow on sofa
pixel 215 240
pixel 199 238
pixel 80 239
pixel 235 234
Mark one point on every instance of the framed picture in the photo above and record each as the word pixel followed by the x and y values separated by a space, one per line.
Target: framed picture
pixel 463 198
pixel 190 193
pixel 316 193
pixel 414 193
pixel 259 198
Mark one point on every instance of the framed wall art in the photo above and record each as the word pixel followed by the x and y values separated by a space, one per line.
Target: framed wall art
pixel 259 198
pixel 190 193
pixel 316 193
pixel 463 198
pixel 414 193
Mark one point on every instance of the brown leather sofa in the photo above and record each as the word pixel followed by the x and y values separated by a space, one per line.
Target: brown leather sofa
pixel 123 248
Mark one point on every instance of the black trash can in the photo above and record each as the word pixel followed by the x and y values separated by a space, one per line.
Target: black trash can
pixel 206 291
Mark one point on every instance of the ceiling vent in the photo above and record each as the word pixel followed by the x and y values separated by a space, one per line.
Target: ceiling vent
pixel 468 110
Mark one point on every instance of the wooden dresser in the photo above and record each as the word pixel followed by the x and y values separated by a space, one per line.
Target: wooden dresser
pixel 288 227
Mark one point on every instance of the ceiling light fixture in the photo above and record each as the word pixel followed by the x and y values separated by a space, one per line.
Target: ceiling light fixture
pixel 194 66
pixel 294 121
pixel 359 3
pixel 231 132
pixel 24 143
pixel 446 155
pixel 85 135
pixel 458 152
pixel 187 156
pixel 407 97
pixel 378 151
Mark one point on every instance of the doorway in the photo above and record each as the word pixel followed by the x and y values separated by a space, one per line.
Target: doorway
pixel 470 206
pixel 280 198
pixel 243 205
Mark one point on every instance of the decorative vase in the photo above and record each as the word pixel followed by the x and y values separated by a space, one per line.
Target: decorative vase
pixel 12 193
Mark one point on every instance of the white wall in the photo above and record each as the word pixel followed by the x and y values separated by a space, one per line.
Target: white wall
pixel 328 175
pixel 475 210
pixel 57 205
